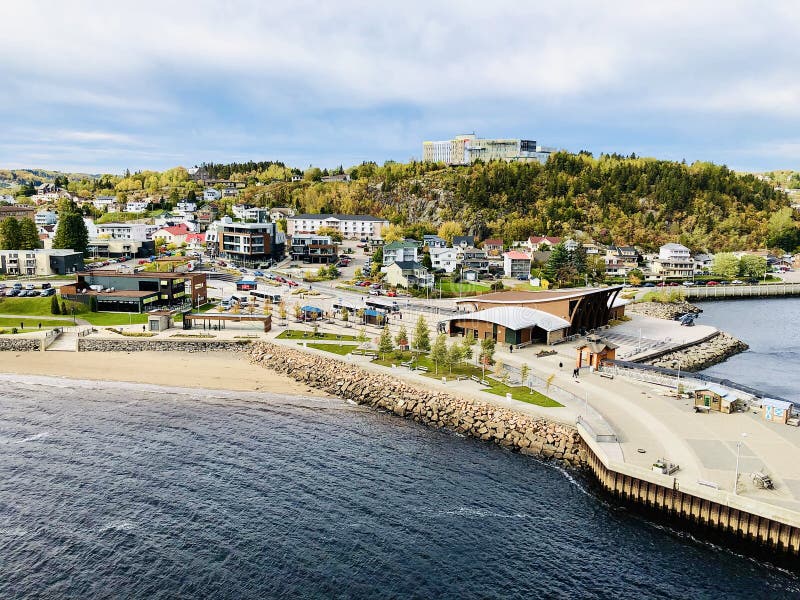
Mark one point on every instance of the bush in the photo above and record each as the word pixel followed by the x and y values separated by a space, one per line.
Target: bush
pixel 54 307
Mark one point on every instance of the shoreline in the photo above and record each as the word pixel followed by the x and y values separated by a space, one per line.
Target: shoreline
pixel 220 370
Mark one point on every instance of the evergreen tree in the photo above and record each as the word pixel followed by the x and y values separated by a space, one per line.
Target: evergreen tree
pixel 28 235
pixel 422 337
pixel 557 264
pixel 64 308
pixel 71 232
pixel 54 307
pixel 10 234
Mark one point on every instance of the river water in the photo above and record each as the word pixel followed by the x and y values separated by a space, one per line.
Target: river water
pixel 772 329
pixel 115 490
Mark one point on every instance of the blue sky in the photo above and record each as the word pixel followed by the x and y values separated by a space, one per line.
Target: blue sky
pixel 101 87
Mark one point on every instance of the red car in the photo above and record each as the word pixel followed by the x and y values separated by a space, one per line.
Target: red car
pixel 142 262
pixel 391 294
pixel 292 283
pixel 712 283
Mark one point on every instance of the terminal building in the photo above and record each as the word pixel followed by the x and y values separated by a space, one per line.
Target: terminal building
pixel 137 292
pixel 535 317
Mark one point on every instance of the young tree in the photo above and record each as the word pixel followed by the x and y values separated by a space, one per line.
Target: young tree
pixel 54 307
pixel 525 372
pixel 402 336
pixel 439 351
pixel 64 307
pixel 362 336
pixel 282 310
pixel 298 311
pixel 455 355
pixel 358 273
pixel 487 352
pixel 385 343
pixel 422 337
pixel 345 315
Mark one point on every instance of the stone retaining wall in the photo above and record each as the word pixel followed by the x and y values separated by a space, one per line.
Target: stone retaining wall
pixel 526 434
pixel 11 344
pixel 148 345
pixel 701 356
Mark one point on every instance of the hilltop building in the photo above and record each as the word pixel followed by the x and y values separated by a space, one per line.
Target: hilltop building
pixel 466 149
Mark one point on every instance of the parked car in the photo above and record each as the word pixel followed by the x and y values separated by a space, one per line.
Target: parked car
pixel 46 286
pixel 391 294
pixel 522 277
pixel 30 286
pixel 737 282
pixel 48 292
pixel 688 283
pixel 291 283
pixel 17 286
pixel 649 284
pixel 712 282
pixel 12 292
pixel 31 293
pixel 374 292
pixel 258 273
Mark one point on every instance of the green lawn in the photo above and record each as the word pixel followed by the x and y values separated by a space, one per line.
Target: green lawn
pixel 294 334
pixel 31 323
pixel 520 393
pixel 341 349
pixel 103 319
pixel 448 287
pixel 35 307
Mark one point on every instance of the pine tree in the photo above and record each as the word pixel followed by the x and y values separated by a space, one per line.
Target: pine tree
pixel 55 309
pixel 63 308
pixel 422 337
pixel 556 264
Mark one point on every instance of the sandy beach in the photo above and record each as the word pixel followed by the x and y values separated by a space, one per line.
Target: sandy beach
pixel 210 370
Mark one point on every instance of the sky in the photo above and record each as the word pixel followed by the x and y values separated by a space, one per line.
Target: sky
pixel 108 86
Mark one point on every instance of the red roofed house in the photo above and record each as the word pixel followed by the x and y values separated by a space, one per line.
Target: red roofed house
pixel 493 247
pixel 196 241
pixel 516 264
pixel 172 235
pixel 534 242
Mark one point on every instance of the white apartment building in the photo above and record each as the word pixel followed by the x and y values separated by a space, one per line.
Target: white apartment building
pixel 399 252
pixel 350 226
pixel 139 232
pixel 444 258
pixel 136 206
pixel 40 262
pixel 8 199
pixel 105 203
pixel 251 213
pixel 674 260
pixel 186 206
pixel 210 194
pixel 516 264
pixel 45 217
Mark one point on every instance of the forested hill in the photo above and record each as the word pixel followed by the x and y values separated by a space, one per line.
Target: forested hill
pixel 611 199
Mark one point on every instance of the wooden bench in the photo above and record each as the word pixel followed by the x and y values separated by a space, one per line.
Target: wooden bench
pixel 461 378
pixel 606 374
pixel 475 378
pixel 406 364
pixel 423 369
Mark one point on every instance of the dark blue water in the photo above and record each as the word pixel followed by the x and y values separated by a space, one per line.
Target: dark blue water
pixel 133 492
pixel 772 329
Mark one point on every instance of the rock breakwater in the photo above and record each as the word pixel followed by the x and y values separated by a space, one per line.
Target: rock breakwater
pixel 526 434
pixel 700 356
pixel 11 344
pixel 662 310
pixel 146 345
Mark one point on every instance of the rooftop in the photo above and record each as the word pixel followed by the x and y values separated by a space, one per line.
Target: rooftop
pixel 526 297
pixel 338 217
pixel 516 318
pixel 514 255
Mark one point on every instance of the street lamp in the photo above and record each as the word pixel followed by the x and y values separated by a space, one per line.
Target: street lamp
pixel 736 478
